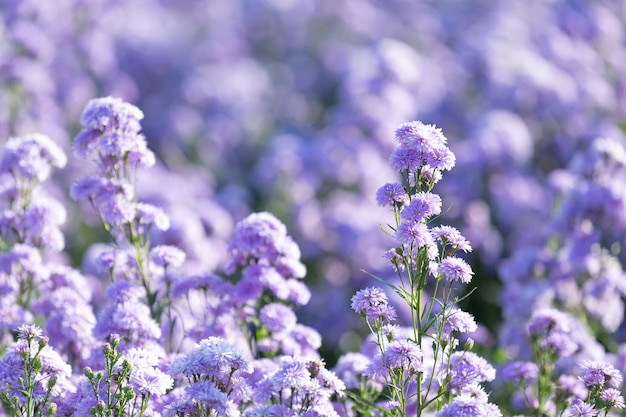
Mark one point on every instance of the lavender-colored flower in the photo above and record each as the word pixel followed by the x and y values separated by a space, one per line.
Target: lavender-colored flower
pixel 450 236
pixel 278 318
pixel 211 398
pixel 441 158
pixel 580 408
pixel 303 342
pixel 211 357
pixel 31 157
pixel 166 255
pixel 519 371
pixel 403 354
pixel 457 321
pixel 546 321
pixel 148 215
pixel 12 367
pixel 561 344
pixel 367 298
pixel 415 233
pixel 422 206
pixel 127 314
pixel 406 159
pixel 111 114
pixel 69 322
pixel 613 398
pixel 600 374
pixel 467 368
pixel 145 376
pixel 292 374
pixel 469 406
pixel 391 194
pixel 455 269
pixel 351 368
pixel 419 136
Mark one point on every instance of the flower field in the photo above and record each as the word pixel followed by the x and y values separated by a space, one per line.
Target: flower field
pixel 312 208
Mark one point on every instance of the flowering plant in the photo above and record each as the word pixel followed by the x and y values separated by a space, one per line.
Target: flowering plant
pixel 136 335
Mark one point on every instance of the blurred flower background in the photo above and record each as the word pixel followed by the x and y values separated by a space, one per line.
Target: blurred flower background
pixel 290 106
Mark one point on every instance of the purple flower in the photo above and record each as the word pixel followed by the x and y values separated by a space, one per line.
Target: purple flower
pixel 391 194
pixel 599 374
pixel 546 321
pixel 455 269
pixel 519 371
pixel 467 368
pixel 414 233
pixel 366 298
pixel 419 136
pixel 31 157
pixel 351 368
pixel 303 341
pixel 580 408
pixel 613 398
pixel 211 357
pixel 165 255
pixel 469 406
pixel 403 354
pixel 450 236
pixel 148 215
pixel 111 114
pixel 278 318
pixel 292 374
pixel 561 344
pixel 457 321
pixel 422 206
pixel 127 314
pixel 12 369
pixel 441 158
pixel 405 159
pixel 212 398
pixel 145 376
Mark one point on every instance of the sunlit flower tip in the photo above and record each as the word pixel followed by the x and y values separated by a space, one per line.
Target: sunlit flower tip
pixel 580 408
pixel 111 113
pixel 420 136
pixel 166 255
pixel 455 269
pixel 613 397
pixel 29 332
pixel 599 373
pixel 391 194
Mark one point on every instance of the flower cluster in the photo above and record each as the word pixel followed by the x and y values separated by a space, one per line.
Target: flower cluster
pixel 421 367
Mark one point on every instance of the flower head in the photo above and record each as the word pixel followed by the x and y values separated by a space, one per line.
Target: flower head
pixel 455 269
pixel 391 194
pixel 600 374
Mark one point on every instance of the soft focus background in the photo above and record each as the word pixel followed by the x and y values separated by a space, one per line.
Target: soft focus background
pixel 290 106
